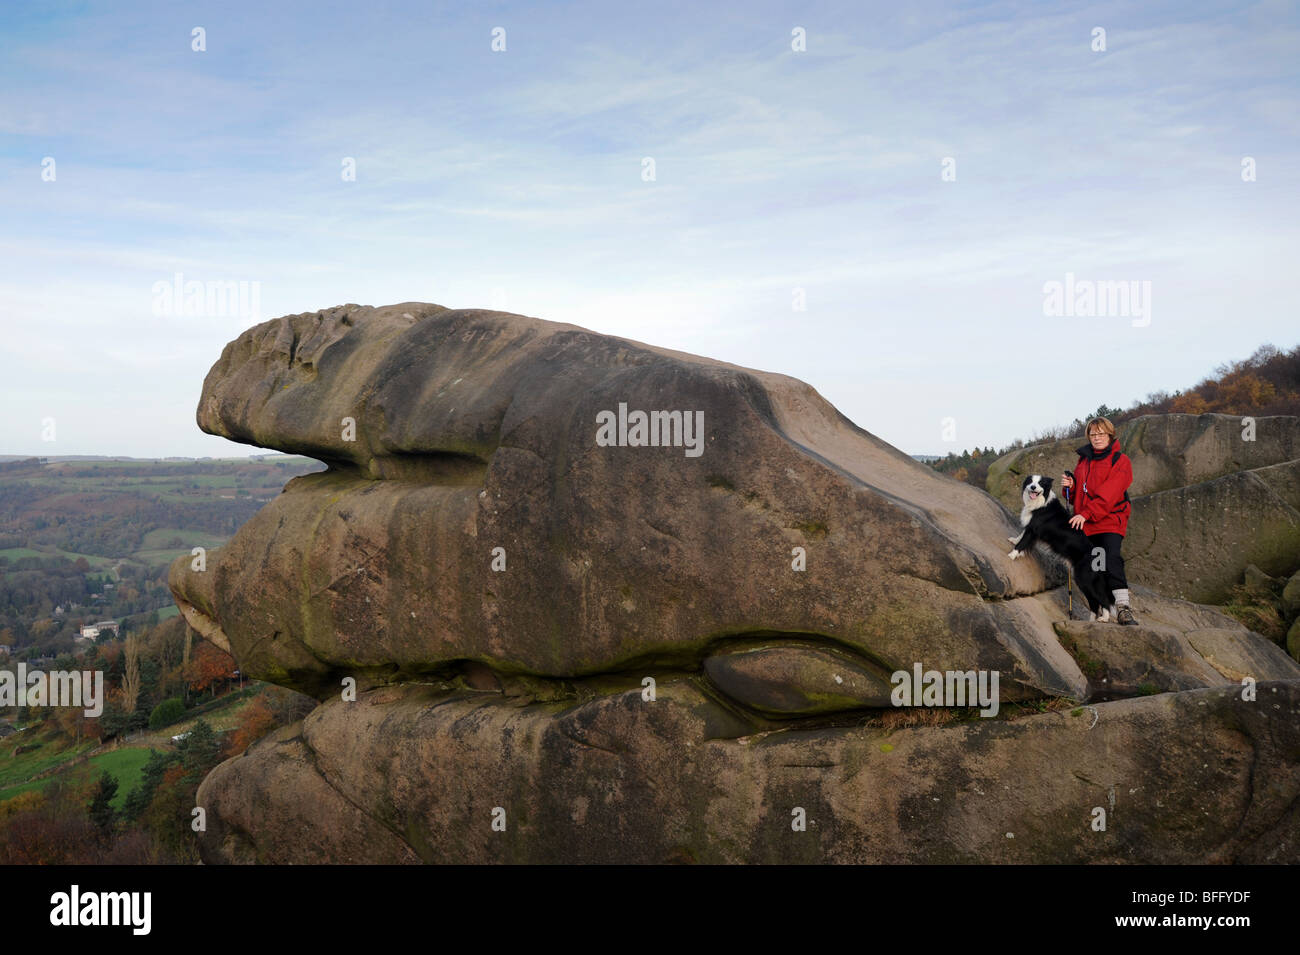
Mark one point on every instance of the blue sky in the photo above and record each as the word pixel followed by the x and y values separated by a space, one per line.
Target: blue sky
pixel 513 180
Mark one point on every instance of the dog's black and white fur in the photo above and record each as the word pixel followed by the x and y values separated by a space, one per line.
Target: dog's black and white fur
pixel 1044 519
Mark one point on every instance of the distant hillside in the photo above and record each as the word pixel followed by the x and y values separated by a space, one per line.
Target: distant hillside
pixel 1266 383
pixel 90 539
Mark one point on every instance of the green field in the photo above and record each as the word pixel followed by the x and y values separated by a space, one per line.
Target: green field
pixel 157 549
pixel 136 516
pixel 223 717
pixel 161 538
pixel 124 765
pixel 257 478
pixel 16 769
pixel 16 553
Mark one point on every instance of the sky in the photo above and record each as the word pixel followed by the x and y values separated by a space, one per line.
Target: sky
pixel 874 198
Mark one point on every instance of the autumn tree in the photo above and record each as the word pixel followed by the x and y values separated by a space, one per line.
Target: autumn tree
pixel 73 723
pixel 167 646
pixel 1190 403
pixel 56 831
pixel 168 817
pixel 256 720
pixel 208 666
pixel 29 801
pixel 1243 392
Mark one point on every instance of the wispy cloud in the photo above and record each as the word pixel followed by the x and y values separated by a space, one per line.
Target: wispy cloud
pixel 485 177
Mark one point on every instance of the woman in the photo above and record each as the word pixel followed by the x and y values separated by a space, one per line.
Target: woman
pixel 1101 506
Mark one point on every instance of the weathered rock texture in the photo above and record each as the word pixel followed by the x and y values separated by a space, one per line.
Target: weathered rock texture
pixel 414 773
pixel 679 649
pixel 1207 501
pixel 477 430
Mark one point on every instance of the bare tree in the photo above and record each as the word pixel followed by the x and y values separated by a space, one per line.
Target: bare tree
pixel 185 659
pixel 131 674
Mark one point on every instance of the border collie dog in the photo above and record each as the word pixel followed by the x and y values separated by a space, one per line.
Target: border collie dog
pixel 1044 519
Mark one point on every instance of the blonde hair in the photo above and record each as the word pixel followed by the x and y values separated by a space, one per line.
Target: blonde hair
pixel 1102 423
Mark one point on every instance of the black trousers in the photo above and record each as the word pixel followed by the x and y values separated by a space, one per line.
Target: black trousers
pixel 1111 544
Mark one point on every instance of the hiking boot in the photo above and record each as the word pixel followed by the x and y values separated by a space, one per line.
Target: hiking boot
pixel 1125 617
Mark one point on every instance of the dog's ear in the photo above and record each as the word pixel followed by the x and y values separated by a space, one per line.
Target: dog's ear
pixel 1046 482
pixel 1026 482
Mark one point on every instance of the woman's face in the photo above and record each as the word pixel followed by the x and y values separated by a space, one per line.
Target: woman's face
pixel 1098 438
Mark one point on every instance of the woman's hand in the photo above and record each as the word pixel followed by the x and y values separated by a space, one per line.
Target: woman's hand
pixel 1067 481
pixel 1077 522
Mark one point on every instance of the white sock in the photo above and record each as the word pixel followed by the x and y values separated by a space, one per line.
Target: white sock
pixel 1121 597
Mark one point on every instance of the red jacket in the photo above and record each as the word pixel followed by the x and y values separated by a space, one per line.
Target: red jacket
pixel 1101 483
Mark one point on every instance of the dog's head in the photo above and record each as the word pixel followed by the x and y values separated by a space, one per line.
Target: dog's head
pixel 1036 491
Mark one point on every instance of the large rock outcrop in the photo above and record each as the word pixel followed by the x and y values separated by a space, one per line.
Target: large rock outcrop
pixel 570 649
pixel 1211 494
pixel 453 433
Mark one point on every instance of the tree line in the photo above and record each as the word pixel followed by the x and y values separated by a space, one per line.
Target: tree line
pixel 1266 383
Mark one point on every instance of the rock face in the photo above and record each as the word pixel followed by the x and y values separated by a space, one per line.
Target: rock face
pixel 1168 451
pixel 453 434
pixel 1291 595
pixel 571 644
pixel 414 774
pixel 1211 495
pixel 1176 646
